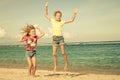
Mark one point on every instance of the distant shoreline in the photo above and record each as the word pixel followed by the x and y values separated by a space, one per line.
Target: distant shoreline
pixel 68 43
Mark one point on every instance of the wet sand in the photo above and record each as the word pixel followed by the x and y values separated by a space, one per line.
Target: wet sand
pixel 21 74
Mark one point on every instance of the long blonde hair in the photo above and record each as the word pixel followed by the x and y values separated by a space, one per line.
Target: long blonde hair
pixel 26 30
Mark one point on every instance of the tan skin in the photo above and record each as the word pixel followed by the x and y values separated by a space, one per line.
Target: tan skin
pixel 32 61
pixel 58 18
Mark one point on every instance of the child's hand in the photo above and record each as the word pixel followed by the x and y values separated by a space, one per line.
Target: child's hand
pixel 37 27
pixel 46 4
pixel 76 11
pixel 24 34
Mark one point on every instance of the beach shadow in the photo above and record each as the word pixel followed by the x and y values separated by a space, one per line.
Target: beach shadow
pixel 75 75
pixel 36 76
pixel 62 74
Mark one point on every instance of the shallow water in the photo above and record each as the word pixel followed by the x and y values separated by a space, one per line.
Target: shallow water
pixel 97 56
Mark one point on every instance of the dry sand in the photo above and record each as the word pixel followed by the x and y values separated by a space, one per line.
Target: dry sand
pixel 21 74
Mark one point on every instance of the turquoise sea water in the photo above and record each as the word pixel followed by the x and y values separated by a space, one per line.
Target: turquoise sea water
pixel 94 56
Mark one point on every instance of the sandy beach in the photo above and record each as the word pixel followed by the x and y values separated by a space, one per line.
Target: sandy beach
pixel 21 74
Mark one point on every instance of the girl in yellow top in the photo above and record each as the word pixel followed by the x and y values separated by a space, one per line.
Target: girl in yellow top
pixel 58 38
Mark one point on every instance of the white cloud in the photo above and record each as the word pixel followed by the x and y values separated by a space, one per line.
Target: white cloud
pixel 15 37
pixel 49 33
pixel 2 32
pixel 69 35
pixel 50 30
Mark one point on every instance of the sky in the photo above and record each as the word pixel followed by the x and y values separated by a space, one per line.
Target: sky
pixel 97 20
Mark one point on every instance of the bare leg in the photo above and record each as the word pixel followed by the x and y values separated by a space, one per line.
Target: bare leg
pixel 29 65
pixel 55 57
pixel 65 57
pixel 34 65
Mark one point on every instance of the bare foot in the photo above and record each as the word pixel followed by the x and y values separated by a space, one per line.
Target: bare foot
pixel 55 68
pixel 66 67
pixel 28 75
pixel 35 75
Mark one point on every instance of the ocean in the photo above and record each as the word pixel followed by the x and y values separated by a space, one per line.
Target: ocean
pixel 80 56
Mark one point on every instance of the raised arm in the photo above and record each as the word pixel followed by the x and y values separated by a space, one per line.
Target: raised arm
pixel 73 17
pixel 22 36
pixel 41 32
pixel 46 11
pixel 21 39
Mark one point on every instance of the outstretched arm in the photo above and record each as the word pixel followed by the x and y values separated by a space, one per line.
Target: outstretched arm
pixel 46 11
pixel 41 32
pixel 73 18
